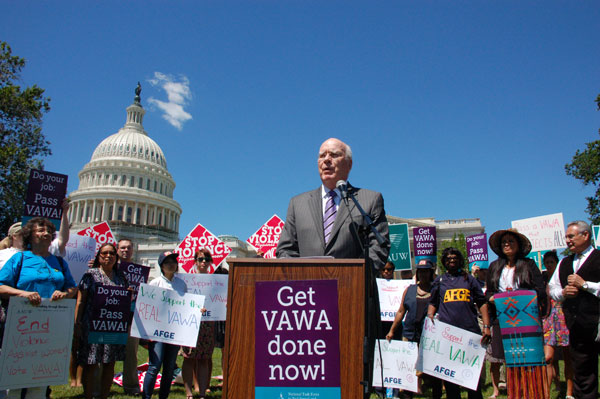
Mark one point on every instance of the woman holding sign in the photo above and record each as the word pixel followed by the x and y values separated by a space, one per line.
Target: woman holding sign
pixel 197 362
pixel 511 271
pixel 35 274
pixel 159 353
pixel 103 273
pixel 454 297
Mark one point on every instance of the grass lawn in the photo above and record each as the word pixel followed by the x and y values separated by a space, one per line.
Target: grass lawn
pixel 65 391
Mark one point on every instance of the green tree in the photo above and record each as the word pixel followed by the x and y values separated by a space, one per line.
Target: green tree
pixel 23 143
pixel 586 167
pixel 459 242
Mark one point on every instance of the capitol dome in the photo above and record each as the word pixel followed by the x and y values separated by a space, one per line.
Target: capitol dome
pixel 127 184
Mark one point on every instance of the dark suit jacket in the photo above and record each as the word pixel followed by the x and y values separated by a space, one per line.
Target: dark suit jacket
pixel 303 235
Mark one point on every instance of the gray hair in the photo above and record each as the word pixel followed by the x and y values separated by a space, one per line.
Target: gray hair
pixel 582 226
pixel 348 152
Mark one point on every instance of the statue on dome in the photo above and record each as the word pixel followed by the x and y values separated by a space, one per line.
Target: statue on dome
pixel 138 90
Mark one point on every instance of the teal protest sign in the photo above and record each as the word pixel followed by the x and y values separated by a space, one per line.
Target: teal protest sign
pixel 400 246
pixel 596 230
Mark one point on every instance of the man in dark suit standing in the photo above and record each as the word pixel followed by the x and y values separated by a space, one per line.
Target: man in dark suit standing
pixel 576 283
pixel 318 223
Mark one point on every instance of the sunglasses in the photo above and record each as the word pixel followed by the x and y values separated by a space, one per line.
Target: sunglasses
pixel 205 259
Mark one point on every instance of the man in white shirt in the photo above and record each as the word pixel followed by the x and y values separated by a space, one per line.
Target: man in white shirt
pixel 576 283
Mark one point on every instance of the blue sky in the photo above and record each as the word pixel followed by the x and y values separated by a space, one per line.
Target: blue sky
pixel 453 109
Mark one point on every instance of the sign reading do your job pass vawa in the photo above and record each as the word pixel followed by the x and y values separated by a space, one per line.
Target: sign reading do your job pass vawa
pixel 297 347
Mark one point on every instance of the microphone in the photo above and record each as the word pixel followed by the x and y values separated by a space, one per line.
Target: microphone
pixel 343 187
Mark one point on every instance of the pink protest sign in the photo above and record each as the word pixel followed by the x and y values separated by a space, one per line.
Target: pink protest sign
pixel 101 233
pixel 266 238
pixel 198 238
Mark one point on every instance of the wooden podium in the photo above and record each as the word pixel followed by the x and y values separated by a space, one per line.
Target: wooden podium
pixel 238 354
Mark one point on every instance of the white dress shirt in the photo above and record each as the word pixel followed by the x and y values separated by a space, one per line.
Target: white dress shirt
pixel 325 196
pixel 555 286
pixel 176 284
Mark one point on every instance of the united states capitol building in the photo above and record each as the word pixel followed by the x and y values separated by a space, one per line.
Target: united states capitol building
pixel 127 184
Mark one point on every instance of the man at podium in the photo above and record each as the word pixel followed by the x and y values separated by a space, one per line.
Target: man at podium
pixel 320 222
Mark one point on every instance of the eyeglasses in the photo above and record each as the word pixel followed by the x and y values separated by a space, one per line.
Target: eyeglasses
pixel 205 259
pixel 108 253
pixel 571 236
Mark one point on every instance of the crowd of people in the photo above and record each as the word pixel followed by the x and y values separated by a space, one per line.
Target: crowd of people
pixel 32 267
pixel 568 307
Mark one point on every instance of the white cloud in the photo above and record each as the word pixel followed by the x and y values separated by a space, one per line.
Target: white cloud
pixel 178 94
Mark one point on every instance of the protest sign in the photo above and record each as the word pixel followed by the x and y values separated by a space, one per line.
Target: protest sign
pixel 451 353
pixel 390 296
pixel 425 244
pixel 477 251
pixel 110 312
pixel 398 359
pixel 136 274
pixel 214 289
pixel 167 316
pixel 79 251
pixel 45 193
pixel 400 246
pixel 297 348
pixel 266 238
pixel 198 238
pixel 545 232
pixel 37 343
pixel 596 231
pixel 101 233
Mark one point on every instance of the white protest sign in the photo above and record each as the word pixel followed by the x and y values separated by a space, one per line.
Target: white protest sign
pixel 399 359
pixel 37 343
pixel 80 250
pixel 167 316
pixel 451 353
pixel 390 296
pixel 545 232
pixel 214 289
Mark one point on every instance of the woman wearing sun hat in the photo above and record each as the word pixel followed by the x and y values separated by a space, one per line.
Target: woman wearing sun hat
pixel 511 271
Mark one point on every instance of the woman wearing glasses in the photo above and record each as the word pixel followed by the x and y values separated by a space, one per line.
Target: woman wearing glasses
pixel 35 274
pixel 197 362
pixel 103 272
pixel 511 271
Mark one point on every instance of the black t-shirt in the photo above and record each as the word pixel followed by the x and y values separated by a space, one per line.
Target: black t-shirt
pixel 455 298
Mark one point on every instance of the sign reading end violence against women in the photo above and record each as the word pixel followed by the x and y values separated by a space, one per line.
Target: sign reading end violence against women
pixel 198 238
pixel 45 193
pixel 398 359
pixel 297 347
pixel 167 316
pixel 451 353
pixel 425 243
pixel 266 238
pixel 111 311
pixel 37 343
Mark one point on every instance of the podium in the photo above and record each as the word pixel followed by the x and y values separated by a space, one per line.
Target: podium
pixel 239 353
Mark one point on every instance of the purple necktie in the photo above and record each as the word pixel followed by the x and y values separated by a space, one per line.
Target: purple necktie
pixel 329 216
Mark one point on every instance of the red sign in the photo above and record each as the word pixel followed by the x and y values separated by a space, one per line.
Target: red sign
pixel 101 233
pixel 266 238
pixel 198 238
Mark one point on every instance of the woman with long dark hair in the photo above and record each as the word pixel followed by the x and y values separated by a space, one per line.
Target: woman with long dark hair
pixel 511 271
pixel 104 271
